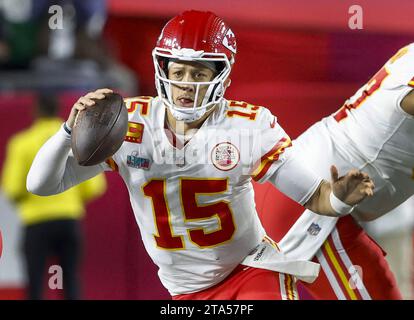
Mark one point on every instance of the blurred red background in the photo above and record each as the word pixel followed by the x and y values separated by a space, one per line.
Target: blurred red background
pixel 299 59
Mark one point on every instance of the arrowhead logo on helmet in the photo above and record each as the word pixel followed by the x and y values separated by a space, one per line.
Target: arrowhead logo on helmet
pixel 229 41
pixel 194 36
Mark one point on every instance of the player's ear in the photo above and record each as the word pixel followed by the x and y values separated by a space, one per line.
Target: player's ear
pixel 227 83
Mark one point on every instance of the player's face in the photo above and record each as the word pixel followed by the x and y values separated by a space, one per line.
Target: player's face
pixel 184 95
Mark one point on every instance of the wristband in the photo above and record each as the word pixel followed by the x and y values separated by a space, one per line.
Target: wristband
pixel 340 207
pixel 67 129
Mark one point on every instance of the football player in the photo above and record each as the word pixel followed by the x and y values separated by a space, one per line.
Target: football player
pixel 188 160
pixel 373 132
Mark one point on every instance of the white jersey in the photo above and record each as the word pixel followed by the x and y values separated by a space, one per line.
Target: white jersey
pixel 195 206
pixel 372 133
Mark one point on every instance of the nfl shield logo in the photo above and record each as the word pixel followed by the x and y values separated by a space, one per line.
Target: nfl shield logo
pixel 314 229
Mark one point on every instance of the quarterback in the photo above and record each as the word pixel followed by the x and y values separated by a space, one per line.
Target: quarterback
pixel 373 132
pixel 188 161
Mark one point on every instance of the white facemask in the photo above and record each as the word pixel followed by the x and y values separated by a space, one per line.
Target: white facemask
pixel 214 93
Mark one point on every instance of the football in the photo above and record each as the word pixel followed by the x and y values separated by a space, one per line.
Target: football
pixel 99 130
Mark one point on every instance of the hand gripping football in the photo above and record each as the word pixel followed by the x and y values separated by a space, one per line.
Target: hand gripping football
pixel 99 130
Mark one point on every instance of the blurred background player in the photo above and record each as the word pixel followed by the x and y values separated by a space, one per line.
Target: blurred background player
pixel 52 226
pixel 67 60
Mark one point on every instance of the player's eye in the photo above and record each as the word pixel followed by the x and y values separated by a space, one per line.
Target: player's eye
pixel 177 74
pixel 200 76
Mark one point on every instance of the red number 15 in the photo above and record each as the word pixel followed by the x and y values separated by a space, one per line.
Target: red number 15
pixel 193 212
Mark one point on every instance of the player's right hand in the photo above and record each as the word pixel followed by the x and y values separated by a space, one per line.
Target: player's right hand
pixel 85 102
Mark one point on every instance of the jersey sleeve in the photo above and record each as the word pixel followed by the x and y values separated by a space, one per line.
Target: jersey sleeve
pixel 275 161
pixel 398 76
pixel 62 170
pixel 270 142
pixel 400 68
pixel 295 179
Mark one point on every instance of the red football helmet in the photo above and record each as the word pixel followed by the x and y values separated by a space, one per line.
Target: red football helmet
pixel 200 37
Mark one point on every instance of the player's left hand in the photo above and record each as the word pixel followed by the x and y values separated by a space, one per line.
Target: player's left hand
pixel 353 187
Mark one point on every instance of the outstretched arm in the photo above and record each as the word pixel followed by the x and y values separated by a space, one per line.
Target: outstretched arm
pixel 282 164
pixel 335 198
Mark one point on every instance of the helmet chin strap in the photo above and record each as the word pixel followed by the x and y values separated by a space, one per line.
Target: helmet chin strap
pixel 187 117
